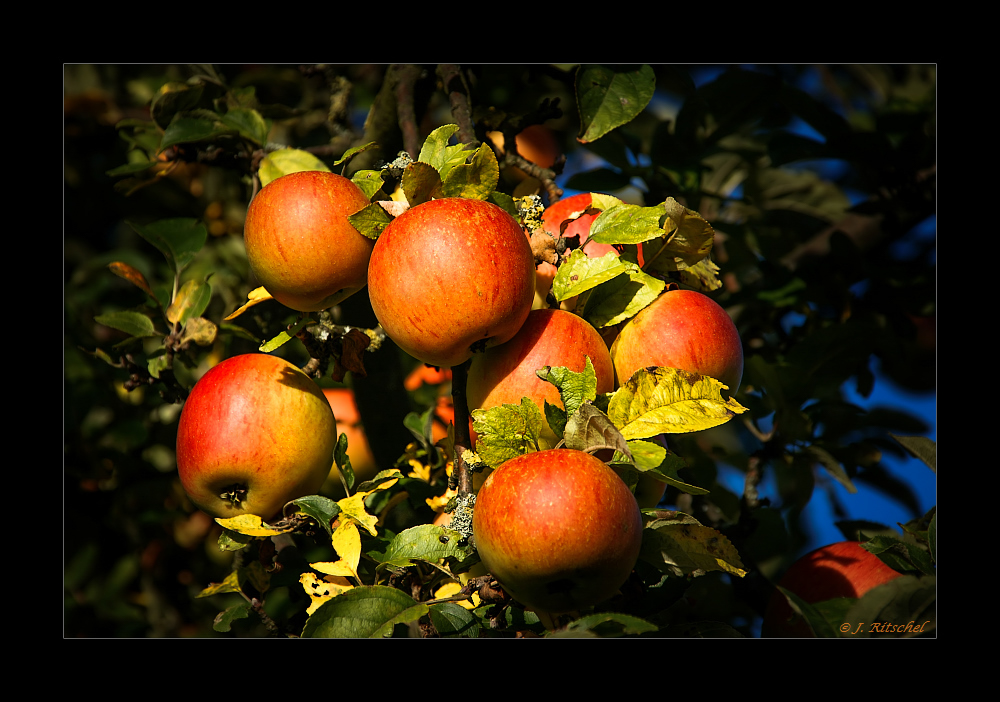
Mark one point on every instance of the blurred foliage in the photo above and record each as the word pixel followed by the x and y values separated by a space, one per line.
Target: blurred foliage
pixel 825 245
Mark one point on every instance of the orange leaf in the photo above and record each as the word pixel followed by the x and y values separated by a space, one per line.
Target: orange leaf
pixel 123 270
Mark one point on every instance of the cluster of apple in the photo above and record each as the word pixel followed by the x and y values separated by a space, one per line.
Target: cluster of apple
pixel 449 279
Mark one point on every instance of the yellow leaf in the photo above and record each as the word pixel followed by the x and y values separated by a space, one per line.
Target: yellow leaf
pixel 230 584
pixel 453 588
pixel 250 525
pixel 255 297
pixel 669 401
pixel 321 590
pixel 346 542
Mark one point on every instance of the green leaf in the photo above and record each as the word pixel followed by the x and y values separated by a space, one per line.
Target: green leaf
pixel 426 542
pixel 369 612
pixel 507 431
pixel 322 509
pixel 421 182
pixel 131 322
pixel 224 620
pixel 343 461
pixel 681 548
pixel 832 466
pixel 370 182
pixel 451 619
pixel 437 153
pixel 191 301
pixel 622 297
pixel 172 98
pixel 580 273
pixel 628 224
pixel 188 130
pixel 610 97
pixel 179 239
pixel 604 625
pixel 284 161
pixel 354 151
pixel 669 401
pixel 919 447
pixel 574 388
pixel 476 179
pixel 654 460
pixel 249 123
pixel 371 220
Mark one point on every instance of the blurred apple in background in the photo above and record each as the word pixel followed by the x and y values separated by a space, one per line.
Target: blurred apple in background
pixel 843 569
pixel 345 410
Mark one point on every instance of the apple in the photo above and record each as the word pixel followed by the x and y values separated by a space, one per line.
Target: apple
pixel 254 433
pixel 451 277
pixel 536 143
pixel 558 529
pixel 842 569
pixel 299 243
pixel 681 329
pixel 348 421
pixel 504 374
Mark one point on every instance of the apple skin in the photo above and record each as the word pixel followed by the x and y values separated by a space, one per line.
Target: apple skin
pixel 681 329
pixel 348 421
pixel 258 422
pixel 300 245
pixel 842 569
pixel 451 277
pixel 506 373
pixel 558 529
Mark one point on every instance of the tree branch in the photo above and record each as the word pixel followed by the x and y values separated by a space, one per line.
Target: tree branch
pixel 458 95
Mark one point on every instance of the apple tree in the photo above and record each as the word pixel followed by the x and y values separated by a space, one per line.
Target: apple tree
pixel 794 210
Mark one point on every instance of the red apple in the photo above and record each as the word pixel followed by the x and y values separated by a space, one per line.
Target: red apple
pixel 345 411
pixel 300 245
pixel 254 433
pixel 558 529
pixel 681 329
pixel 506 373
pixel 843 569
pixel 451 277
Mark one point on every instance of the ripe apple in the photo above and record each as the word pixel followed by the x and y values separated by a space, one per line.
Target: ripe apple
pixel 536 143
pixel 681 329
pixel 506 373
pixel 345 411
pixel 451 277
pixel 300 245
pixel 843 569
pixel 558 529
pixel 254 433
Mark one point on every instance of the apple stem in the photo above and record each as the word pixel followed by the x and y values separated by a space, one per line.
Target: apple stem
pixel 463 440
